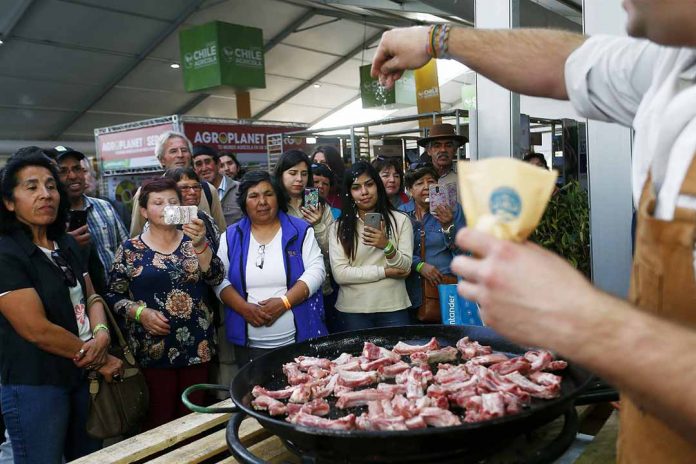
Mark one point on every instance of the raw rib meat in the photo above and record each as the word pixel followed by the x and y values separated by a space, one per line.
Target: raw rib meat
pixel 448 373
pixel 325 390
pixel 471 349
pixel 402 348
pixel 394 389
pixel 557 365
pixel 539 359
pixel 415 422
pixel 266 403
pixel 343 423
pixel 352 365
pixel 372 352
pixel 365 422
pixel 294 374
pixel 437 417
pixel 518 364
pixel 390 371
pixel 546 392
pixel 277 394
pixel 357 379
pixel 488 359
pixel 318 407
pixel 361 398
pixel 446 354
pixel 376 364
pixel 317 372
pixel 306 362
pixel 302 394
pixel 342 359
pixel 546 378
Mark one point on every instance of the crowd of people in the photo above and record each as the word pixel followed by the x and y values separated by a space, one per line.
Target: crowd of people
pixel 262 265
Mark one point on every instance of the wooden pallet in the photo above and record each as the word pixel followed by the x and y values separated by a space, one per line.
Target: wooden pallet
pixel 192 439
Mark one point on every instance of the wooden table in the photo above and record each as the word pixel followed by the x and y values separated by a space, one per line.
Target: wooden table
pixel 198 437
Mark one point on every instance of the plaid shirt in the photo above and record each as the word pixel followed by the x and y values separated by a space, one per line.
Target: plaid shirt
pixel 106 229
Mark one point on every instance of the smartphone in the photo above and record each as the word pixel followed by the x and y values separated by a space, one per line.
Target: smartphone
pixel 373 220
pixel 438 196
pixel 311 197
pixel 175 214
pixel 78 218
pixel 451 189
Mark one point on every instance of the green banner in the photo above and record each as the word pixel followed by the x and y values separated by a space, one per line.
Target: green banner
pixel 373 95
pixel 219 53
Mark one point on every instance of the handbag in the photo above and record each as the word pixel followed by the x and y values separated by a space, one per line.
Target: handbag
pixel 117 408
pixel 429 310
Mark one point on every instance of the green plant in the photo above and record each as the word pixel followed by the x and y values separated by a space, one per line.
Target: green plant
pixel 565 226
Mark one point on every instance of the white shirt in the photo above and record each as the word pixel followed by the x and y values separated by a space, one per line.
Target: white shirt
pixel 78 301
pixel 271 281
pixel 223 186
pixel 652 89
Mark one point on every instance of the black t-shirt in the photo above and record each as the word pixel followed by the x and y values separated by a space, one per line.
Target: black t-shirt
pixel 24 265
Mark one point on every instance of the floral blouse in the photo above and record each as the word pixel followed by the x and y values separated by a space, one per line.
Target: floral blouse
pixel 170 283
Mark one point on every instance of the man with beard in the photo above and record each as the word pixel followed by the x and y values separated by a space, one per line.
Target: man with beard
pixel 644 346
pixel 441 145
pixel 206 163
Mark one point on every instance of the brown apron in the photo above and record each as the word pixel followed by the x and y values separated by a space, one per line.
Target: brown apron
pixel 662 283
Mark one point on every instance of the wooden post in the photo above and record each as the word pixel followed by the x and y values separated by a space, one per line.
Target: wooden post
pixel 243 105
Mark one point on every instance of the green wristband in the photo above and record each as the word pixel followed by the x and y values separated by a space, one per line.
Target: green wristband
pixel 419 266
pixel 389 248
pixel 98 328
pixel 138 312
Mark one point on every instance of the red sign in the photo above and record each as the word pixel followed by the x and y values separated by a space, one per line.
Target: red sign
pixel 131 148
pixel 239 138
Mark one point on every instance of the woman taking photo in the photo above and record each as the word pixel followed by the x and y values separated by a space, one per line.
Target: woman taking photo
pixel 52 326
pixel 391 174
pixel 329 156
pixel 325 182
pixel 158 285
pixel 189 184
pixel 433 231
pixel 274 271
pixel 370 263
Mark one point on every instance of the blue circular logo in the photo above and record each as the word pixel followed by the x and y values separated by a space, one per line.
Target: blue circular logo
pixel 505 203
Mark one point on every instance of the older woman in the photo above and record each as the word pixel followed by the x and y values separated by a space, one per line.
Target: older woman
pixel 390 172
pixel 274 269
pixel 189 184
pixel 433 233
pixel 158 286
pixel 52 325
pixel 370 264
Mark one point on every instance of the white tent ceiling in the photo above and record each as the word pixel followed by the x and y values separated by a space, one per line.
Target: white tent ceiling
pixel 69 66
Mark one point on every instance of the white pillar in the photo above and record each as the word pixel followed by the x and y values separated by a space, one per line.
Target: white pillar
pixel 609 173
pixel 497 109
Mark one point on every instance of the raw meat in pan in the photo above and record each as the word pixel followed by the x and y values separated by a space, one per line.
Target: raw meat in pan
pixel 402 348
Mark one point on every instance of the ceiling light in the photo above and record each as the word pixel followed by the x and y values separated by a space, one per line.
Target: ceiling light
pixel 1 42
pixel 316 85
pixel 174 66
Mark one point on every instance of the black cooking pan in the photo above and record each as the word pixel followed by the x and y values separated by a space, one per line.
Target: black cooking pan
pixel 360 445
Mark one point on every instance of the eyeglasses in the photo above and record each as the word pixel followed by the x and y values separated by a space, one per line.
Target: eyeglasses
pixel 68 274
pixel 194 188
pixel 260 256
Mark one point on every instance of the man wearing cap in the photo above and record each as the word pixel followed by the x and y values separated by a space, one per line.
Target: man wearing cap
pixel 173 151
pixel 206 163
pixel 441 145
pixel 103 226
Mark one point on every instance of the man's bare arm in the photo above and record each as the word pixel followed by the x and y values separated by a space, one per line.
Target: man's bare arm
pixel 527 61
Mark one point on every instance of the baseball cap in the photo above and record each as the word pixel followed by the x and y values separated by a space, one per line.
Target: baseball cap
pixel 59 152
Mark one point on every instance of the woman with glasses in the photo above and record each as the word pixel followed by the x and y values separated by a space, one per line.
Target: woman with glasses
pixel 274 273
pixel 158 285
pixel 189 184
pixel 434 234
pixel 329 156
pixel 391 175
pixel 370 263
pixel 52 325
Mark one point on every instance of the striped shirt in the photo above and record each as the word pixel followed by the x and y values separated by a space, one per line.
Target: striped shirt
pixel 106 229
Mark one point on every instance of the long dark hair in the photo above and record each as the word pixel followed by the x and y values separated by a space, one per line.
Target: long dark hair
pixel 348 221
pixel 22 158
pixel 288 160
pixel 333 159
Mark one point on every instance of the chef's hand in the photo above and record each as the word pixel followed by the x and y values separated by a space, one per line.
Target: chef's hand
pixel 312 214
pixel 375 237
pixel 253 314
pixel 430 272
pixel 154 322
pixel 81 235
pixel 112 369
pixel 399 50
pixel 273 307
pixel 396 273
pixel 517 286
pixel 92 354
pixel 444 216
pixel 195 230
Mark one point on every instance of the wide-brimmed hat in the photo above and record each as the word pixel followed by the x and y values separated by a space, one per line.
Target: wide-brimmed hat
pixel 442 131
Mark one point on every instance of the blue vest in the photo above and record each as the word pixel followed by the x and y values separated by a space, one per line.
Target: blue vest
pixel 309 315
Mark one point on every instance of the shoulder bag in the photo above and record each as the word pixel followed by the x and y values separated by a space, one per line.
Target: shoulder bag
pixel 429 310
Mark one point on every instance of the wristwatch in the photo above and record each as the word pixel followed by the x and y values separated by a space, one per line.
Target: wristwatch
pixel 448 230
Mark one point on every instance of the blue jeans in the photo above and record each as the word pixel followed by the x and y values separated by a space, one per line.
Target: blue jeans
pixel 47 423
pixel 357 321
